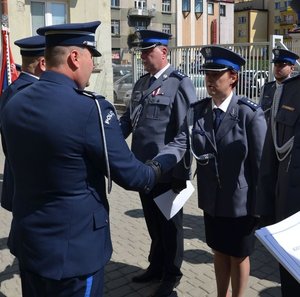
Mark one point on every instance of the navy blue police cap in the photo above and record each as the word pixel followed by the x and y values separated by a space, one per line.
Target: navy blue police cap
pixel 31 46
pixel 219 59
pixel 77 34
pixel 285 56
pixel 150 38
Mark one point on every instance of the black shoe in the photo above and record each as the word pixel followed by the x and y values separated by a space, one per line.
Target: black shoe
pixel 147 276
pixel 165 289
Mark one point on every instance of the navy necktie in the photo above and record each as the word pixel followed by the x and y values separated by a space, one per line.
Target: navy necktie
pixel 151 80
pixel 218 118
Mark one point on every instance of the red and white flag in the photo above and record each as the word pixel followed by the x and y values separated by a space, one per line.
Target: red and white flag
pixel 8 67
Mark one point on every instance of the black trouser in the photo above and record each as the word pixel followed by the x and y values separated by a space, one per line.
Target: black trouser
pixel 289 286
pixel 34 285
pixel 166 251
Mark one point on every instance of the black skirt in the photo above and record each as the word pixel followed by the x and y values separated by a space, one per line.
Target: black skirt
pixel 231 236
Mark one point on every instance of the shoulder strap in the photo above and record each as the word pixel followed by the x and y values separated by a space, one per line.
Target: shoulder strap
pixel 89 94
pixel 249 103
pixel 179 75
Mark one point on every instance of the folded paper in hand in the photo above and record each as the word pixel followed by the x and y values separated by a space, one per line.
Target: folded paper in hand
pixel 170 203
pixel 282 240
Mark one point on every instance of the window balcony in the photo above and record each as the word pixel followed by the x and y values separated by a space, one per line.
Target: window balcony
pixel 141 12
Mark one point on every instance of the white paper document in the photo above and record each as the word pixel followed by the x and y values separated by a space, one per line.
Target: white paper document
pixel 170 203
pixel 283 241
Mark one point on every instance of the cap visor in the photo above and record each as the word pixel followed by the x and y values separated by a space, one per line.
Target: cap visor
pixel 94 52
pixel 214 67
pixel 282 61
pixel 142 47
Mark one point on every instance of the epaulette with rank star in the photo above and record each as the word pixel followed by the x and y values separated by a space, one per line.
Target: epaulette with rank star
pixel 89 94
pixel 246 101
pixel 178 74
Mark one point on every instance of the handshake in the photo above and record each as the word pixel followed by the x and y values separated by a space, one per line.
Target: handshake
pixel 177 185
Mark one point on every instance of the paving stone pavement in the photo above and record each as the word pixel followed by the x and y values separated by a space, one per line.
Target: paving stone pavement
pixel 131 246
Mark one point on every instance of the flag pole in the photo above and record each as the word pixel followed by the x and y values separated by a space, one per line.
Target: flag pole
pixel 4 23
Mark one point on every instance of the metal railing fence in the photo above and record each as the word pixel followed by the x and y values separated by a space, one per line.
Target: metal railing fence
pixel 256 71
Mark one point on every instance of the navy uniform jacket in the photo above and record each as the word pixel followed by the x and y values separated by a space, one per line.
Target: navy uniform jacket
pixel 278 187
pixel 165 106
pixel 266 98
pixel 52 139
pixel 237 146
pixel 24 80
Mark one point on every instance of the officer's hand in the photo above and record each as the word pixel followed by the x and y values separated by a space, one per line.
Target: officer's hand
pixel 178 185
pixel 156 167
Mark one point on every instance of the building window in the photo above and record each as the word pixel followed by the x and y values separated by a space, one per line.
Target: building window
pixel 287 4
pixel 115 27
pixel 210 8
pixel 277 19
pixel 186 5
pixel 166 28
pixel 198 6
pixel 140 24
pixel 241 33
pixel 289 19
pixel 166 6
pixel 222 10
pixel 242 20
pixel 140 4
pixel 277 5
pixel 115 3
pixel 46 13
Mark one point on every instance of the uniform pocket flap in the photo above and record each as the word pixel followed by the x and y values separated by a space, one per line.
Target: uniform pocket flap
pixel 100 218
pixel 161 100
pixel 287 117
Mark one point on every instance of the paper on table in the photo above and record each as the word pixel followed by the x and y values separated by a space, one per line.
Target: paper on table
pixel 170 203
pixel 283 241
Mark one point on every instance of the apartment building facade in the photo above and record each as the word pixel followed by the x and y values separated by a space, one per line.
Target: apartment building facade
pixel 203 22
pixel 129 15
pixel 256 20
pixel 25 16
pixel 191 22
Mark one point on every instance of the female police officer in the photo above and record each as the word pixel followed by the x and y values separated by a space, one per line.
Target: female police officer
pixel 226 137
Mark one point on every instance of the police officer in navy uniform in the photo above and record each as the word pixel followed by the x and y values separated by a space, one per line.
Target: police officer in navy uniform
pixel 33 65
pixel 159 102
pixel 278 184
pixel 60 142
pixel 284 64
pixel 226 134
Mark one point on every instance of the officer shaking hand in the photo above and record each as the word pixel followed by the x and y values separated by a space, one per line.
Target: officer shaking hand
pixel 158 106
pixel 61 142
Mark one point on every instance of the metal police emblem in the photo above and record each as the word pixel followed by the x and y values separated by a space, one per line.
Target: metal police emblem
pixel 276 52
pixel 208 52
pixel 138 35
